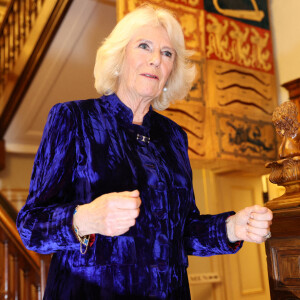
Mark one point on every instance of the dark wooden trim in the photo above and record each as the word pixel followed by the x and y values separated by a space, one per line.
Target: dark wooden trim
pixel 32 65
pixel 293 87
pixel 2 154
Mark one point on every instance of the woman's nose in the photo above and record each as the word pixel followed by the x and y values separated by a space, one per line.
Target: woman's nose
pixel 155 59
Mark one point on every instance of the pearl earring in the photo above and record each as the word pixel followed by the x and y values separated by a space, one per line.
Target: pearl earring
pixel 116 73
pixel 165 89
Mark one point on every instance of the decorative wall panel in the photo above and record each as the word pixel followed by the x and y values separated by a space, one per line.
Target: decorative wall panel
pixel 242 137
pixel 239 89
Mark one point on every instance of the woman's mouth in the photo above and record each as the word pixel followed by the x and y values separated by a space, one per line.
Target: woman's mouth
pixel 150 76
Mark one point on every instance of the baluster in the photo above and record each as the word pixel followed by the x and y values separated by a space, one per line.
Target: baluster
pixel 34 11
pixel 25 5
pixel 26 290
pixel 2 63
pixel 39 295
pixel 6 271
pixel 43 276
pixel 6 46
pixel 11 41
pixel 18 26
pixel 1 268
pixel 39 5
pixel 14 24
pixel 22 22
pixel 16 277
pixel 29 15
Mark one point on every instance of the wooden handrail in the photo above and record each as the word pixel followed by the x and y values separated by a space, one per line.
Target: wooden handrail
pixel 8 207
pixel 20 269
pixel 9 230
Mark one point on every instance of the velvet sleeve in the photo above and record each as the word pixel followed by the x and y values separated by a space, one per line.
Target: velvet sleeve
pixel 45 222
pixel 206 235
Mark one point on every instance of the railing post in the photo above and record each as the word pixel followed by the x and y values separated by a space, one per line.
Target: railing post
pixel 26 291
pixel 43 276
pixel 16 277
pixel 39 293
pixel 6 295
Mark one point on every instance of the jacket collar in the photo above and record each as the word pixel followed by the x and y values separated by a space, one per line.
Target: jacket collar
pixel 123 113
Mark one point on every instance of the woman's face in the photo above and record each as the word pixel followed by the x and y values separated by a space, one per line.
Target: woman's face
pixel 148 62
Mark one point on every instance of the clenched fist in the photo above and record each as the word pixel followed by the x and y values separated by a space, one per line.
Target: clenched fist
pixel 251 224
pixel 110 214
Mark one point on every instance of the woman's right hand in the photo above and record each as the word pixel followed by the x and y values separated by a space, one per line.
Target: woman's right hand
pixel 110 214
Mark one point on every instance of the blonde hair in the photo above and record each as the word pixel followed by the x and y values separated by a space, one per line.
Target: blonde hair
pixel 110 55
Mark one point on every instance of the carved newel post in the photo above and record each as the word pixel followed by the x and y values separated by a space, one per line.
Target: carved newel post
pixel 286 171
pixel 283 249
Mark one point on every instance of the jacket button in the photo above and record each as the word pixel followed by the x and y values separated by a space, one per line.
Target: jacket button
pixel 161 186
pixel 163 267
pixel 151 166
pixel 160 214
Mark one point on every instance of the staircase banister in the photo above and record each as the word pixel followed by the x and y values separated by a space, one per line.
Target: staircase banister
pixel 23 47
pixel 8 207
pixel 10 232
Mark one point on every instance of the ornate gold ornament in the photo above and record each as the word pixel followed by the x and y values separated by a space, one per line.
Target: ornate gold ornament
pixel 229 41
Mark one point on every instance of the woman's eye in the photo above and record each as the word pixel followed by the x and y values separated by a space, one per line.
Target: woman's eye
pixel 143 46
pixel 167 53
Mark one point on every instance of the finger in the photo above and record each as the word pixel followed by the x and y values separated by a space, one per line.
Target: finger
pixel 123 224
pixel 267 216
pixel 249 211
pixel 259 224
pixel 122 214
pixel 127 214
pixel 262 232
pixel 258 209
pixel 134 193
pixel 252 237
pixel 125 202
pixel 128 203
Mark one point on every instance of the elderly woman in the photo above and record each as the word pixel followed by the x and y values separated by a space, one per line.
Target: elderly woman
pixel 111 191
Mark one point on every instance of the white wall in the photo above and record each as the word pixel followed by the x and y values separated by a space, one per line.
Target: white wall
pixel 17 172
pixel 285 22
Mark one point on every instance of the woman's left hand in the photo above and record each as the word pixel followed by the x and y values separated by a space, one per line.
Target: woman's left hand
pixel 251 224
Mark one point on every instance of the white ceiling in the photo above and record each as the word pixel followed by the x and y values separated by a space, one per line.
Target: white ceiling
pixel 66 72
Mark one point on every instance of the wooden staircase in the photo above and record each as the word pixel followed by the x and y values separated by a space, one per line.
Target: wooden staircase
pixel 26 31
pixel 23 273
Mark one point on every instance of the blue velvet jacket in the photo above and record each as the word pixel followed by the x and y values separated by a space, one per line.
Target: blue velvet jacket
pixel 90 148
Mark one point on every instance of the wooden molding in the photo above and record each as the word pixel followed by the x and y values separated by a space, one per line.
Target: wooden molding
pixel 2 154
pixel 293 87
pixel 283 254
